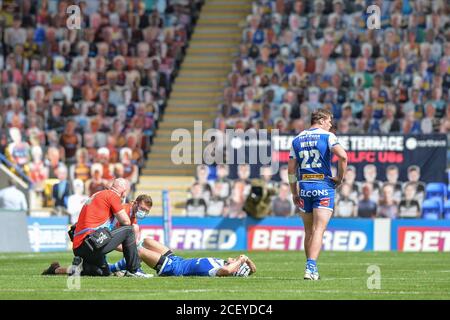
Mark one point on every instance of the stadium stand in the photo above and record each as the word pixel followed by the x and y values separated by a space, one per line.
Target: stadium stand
pixel 195 95
pixel 436 190
pixel 297 56
pixel 104 102
pixel 431 209
pixel 88 101
pixel 447 210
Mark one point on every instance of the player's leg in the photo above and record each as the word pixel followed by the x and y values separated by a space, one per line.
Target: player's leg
pixel 124 235
pixel 155 246
pixel 94 262
pixel 120 265
pixel 55 269
pixel 150 258
pixel 306 209
pixel 321 217
pixel 87 269
pixel 62 271
pixel 150 252
pixel 308 225
pixel 323 205
pixel 159 262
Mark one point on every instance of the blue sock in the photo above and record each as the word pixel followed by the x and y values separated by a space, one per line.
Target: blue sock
pixel 311 262
pixel 311 265
pixel 119 265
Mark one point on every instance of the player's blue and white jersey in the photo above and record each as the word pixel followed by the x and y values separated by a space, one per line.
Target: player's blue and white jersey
pixel 312 149
pixel 177 266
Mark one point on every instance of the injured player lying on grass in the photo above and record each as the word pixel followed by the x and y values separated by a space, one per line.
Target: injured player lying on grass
pixel 165 263
pixel 160 258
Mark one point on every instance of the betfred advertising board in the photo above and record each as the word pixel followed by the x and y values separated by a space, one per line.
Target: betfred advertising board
pixel 420 236
pixel 198 233
pixel 288 234
pixel 273 233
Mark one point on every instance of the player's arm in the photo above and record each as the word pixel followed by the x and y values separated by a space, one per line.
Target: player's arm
pixel 231 268
pixel 339 151
pixel 292 175
pixel 133 224
pixel 123 218
pixel 119 211
pixel 252 266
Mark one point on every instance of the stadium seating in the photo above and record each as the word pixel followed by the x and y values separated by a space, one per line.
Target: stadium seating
pixel 440 202
pixel 431 209
pixel 447 210
pixel 111 81
pixel 297 56
pixel 436 189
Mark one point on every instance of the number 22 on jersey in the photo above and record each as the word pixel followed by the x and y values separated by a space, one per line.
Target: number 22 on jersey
pixel 313 154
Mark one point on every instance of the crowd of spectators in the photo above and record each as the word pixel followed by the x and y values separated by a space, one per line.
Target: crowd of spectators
pixel 79 107
pixel 373 198
pixel 300 55
pixel 370 198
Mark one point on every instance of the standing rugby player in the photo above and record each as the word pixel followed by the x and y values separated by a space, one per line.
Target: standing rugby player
pixel 312 184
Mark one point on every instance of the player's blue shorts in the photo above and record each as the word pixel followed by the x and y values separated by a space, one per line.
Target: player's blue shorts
pixel 316 195
pixel 173 266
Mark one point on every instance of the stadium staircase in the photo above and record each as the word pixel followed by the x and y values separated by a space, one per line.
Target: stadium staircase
pixel 196 93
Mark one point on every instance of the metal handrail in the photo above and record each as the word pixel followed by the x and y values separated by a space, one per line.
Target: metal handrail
pixel 18 170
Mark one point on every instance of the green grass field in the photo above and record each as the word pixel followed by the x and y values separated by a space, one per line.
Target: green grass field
pixel 279 276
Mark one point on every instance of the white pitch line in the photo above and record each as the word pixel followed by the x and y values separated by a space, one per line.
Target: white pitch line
pixel 158 292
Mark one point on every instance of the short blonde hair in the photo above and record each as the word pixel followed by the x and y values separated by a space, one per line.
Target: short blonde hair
pixel 320 114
